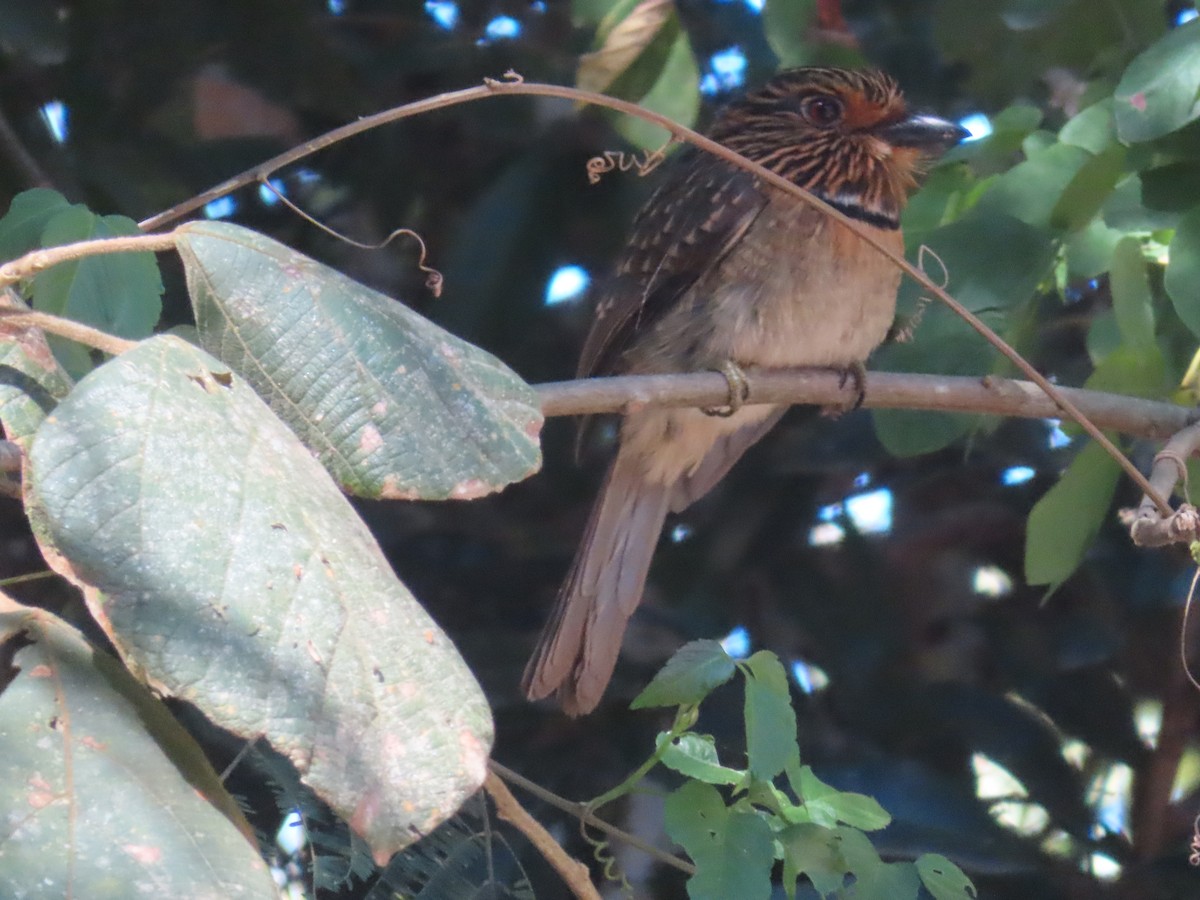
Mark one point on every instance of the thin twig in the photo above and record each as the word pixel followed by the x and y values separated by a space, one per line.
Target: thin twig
pixel 67 328
pixel 31 263
pixel 580 811
pixel 570 870
pixel 515 86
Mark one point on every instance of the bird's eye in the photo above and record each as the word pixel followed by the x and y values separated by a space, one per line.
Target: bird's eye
pixel 822 109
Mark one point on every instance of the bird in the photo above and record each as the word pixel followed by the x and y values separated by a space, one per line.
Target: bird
pixel 724 271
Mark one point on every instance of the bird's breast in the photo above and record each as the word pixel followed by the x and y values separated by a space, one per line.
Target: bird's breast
pixel 801 290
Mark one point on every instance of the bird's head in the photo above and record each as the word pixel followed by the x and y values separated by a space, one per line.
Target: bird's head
pixel 845 135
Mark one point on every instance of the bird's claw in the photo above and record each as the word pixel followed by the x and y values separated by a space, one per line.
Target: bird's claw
pixel 739 390
pixel 857 372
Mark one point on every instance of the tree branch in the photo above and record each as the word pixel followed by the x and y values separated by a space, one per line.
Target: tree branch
pixel 986 395
pixel 582 812
pixel 570 870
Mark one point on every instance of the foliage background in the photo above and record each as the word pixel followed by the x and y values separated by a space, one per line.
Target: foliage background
pixel 928 671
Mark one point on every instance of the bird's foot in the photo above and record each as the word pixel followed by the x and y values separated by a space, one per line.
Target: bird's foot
pixel 739 390
pixel 857 373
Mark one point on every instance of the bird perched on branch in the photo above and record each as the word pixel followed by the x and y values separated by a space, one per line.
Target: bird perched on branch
pixel 724 271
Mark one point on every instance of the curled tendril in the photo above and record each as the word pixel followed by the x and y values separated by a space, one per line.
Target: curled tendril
pixel 623 162
pixel 904 332
pixel 602 853
pixel 433 278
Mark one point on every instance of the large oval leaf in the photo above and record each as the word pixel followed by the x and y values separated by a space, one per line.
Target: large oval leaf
pixel 393 405
pixel 234 574
pixel 1158 92
pixel 102 788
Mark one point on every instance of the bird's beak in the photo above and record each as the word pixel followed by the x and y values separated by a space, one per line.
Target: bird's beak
pixel 928 134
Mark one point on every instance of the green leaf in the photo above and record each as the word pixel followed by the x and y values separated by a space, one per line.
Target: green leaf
pixel 1133 302
pixel 688 677
pixel 104 790
pixel 1174 187
pixel 786 24
pixel 1089 249
pixel 828 805
pixel 28 214
pixel 625 35
pixel 1085 194
pixel 1125 211
pixel 1182 279
pixel 1126 370
pixel 770 718
pixel 1064 522
pixel 393 405
pixel 675 94
pixel 1094 129
pixel 944 879
pixel 1158 92
pixel 733 850
pixel 31 380
pixel 1031 190
pixel 695 755
pixel 270 607
pixel 937 202
pixel 889 881
pixel 120 293
pixel 1019 256
pixel 814 851
pixel 994 153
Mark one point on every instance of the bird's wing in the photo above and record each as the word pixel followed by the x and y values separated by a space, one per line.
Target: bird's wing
pixel 684 230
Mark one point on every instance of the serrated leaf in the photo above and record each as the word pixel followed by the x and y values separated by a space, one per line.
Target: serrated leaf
pixel 393 405
pixel 943 878
pixel 104 790
pixel 31 380
pixel 695 756
pixel 688 677
pixel 1133 303
pixel 733 850
pixel 230 571
pixel 770 719
pixel 814 851
pixel 1159 90
pixel 1182 279
pixel 22 226
pixel 1063 523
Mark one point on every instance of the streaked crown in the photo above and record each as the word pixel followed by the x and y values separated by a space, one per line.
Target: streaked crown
pixel 845 135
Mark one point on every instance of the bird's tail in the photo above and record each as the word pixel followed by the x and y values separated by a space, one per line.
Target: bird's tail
pixel 578 648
